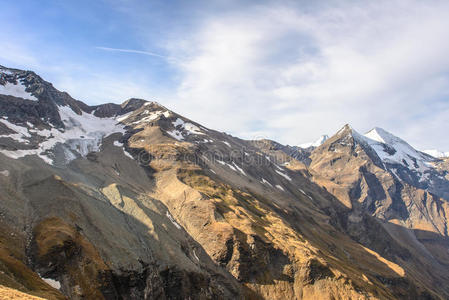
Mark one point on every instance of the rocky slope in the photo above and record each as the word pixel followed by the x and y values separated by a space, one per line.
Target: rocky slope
pixel 404 189
pixel 134 201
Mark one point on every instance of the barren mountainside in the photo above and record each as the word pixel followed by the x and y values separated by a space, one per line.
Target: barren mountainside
pixel 134 201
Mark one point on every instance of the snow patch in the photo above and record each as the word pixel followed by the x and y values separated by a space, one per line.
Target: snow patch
pixel 238 168
pixel 118 144
pixel 228 165
pixel 128 154
pixel 264 181
pixel 170 217
pixel 317 143
pixel 192 129
pixel 194 255
pixel 4 173
pixel 186 126
pixel 280 187
pixel 21 131
pixel 283 175
pixel 150 103
pixel 302 191
pixel 83 134
pixel 16 90
pixel 176 134
pixel 231 167
pixel 53 283
pixel 151 117
pixel 178 122
pixel 124 117
pixel 395 173
pixel 21 153
pixel 279 168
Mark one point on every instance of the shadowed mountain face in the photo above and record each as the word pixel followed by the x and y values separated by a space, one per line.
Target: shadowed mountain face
pixel 134 201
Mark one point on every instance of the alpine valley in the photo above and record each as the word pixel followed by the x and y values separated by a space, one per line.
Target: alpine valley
pixel 134 201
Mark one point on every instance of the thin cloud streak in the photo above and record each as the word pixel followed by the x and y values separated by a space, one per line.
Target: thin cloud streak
pixel 134 51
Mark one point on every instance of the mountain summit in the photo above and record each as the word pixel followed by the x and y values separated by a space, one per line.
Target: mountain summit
pixel 317 143
pixel 134 201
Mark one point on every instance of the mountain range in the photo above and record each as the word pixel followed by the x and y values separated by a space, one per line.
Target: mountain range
pixel 134 201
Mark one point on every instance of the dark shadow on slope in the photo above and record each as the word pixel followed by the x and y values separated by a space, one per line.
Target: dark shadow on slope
pixel 89 214
pixel 370 233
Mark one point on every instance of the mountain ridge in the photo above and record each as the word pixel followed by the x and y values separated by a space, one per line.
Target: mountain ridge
pixel 136 201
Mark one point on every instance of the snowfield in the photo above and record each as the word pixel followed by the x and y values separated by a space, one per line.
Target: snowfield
pixel 83 134
pixel 21 132
pixel 16 90
pixel 188 127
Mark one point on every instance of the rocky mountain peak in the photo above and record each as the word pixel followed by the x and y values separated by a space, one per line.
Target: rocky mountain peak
pixel 133 104
pixel 386 151
pixel 345 137
pixel 394 150
pixel 345 130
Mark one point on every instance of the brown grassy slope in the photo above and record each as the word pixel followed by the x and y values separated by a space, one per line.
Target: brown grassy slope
pixel 244 235
pixel 14 273
pixel 11 294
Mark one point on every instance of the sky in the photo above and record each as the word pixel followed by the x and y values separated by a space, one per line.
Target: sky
pixel 284 70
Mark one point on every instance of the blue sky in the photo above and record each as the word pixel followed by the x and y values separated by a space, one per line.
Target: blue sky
pixel 285 70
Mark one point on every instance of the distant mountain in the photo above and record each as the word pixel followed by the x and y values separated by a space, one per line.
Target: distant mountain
pixel 134 201
pixel 437 153
pixel 317 143
pixel 393 150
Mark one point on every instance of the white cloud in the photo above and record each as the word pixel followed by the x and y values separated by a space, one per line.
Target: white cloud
pixel 298 75
pixel 288 72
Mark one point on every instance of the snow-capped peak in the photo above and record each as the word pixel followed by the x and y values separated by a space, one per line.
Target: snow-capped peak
pixel 436 153
pixel 321 140
pixel 317 143
pixel 390 149
pixel 394 150
pixel 382 136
